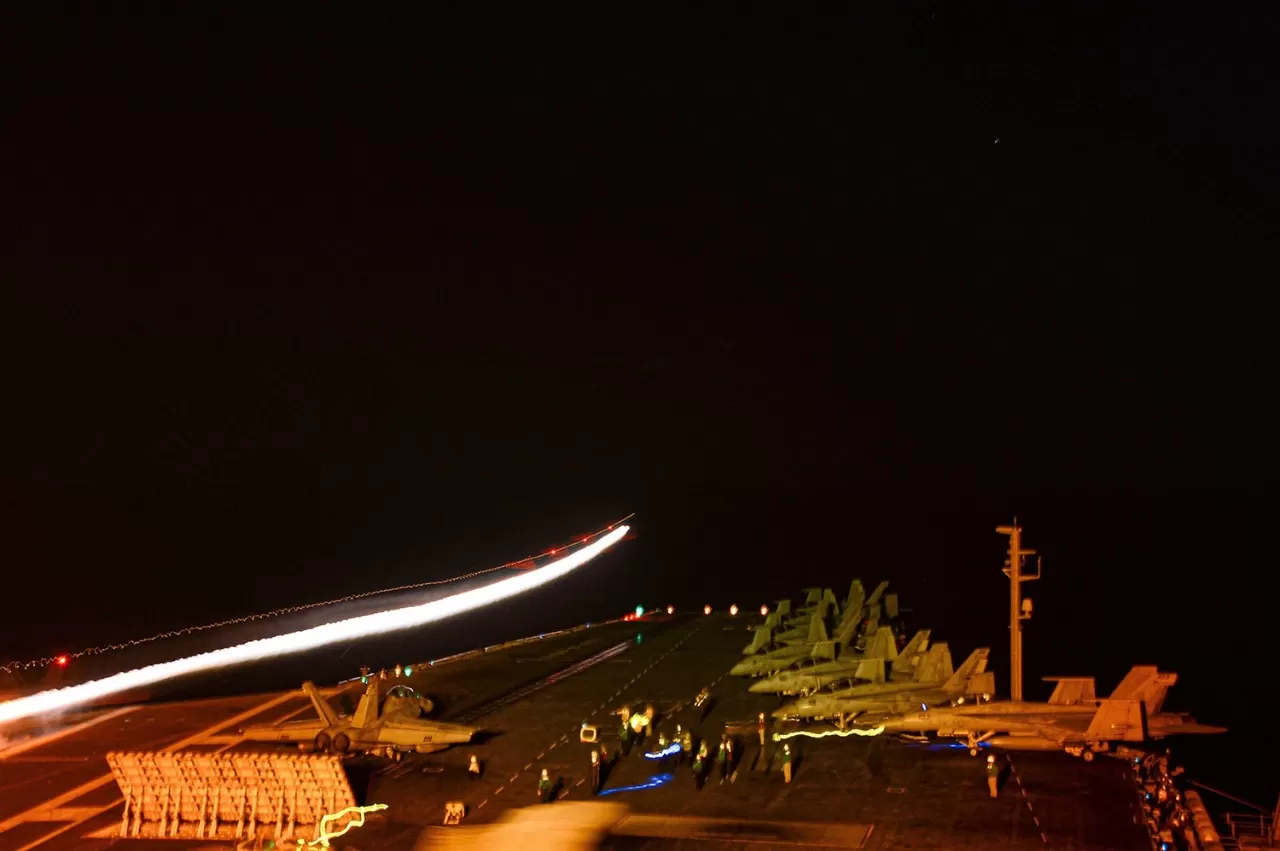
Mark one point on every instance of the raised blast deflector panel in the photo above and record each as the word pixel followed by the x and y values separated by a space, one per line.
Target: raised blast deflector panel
pixel 196 795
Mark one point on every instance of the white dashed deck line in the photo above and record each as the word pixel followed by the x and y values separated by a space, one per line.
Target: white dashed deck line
pixel 498 791
pixel 482 803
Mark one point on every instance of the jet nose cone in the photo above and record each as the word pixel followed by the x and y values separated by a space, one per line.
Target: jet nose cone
pixel 762 687
pixel 741 669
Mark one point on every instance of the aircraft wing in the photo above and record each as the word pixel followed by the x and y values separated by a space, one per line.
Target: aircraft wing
pixel 287 731
pixel 407 732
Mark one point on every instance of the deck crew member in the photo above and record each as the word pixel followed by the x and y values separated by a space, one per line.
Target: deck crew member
pixel 686 745
pixel 993 776
pixel 664 762
pixel 722 758
pixel 786 762
pixel 473 768
pixel 761 724
pixel 544 788
pixel 700 767
pixel 595 772
pixel 624 738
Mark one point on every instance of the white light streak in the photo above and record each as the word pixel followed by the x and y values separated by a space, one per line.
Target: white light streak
pixel 309 639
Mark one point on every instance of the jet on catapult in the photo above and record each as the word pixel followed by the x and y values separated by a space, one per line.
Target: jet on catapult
pixel 399 728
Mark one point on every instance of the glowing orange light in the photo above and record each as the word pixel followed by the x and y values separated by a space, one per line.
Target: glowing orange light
pixel 62 661
pixel 553 552
pixel 706 610
pixel 671 610
pixel 764 610
pixel 733 610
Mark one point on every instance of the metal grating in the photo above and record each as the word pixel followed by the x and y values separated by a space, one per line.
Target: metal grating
pixel 185 795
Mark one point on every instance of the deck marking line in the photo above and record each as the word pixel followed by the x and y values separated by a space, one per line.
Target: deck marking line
pixel 86 788
pixel 102 781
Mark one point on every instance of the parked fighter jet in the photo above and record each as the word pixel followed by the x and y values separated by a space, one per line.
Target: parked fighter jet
pixel 398 729
pixel 812 674
pixel 933 682
pixel 1080 728
pixel 775 658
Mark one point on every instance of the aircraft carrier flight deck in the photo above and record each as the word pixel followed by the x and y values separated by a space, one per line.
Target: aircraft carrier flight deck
pixel 531 700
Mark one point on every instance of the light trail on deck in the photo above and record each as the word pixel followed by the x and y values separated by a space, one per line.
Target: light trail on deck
pixel 873 731
pixel 308 639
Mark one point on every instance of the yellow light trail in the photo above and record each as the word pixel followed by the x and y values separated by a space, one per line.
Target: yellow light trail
pixel 325 835
pixel 873 731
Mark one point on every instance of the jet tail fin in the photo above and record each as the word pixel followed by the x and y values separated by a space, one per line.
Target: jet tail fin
pixel 1118 720
pixel 910 657
pixel 871 670
pixel 1147 684
pixel 976 662
pixel 857 596
pixel 847 628
pixel 817 628
pixel 367 710
pixel 784 607
pixel 874 599
pixel 891 605
pixel 759 641
pixel 935 667
pixel 823 650
pixel 882 645
pixel 1070 691
pixel 323 709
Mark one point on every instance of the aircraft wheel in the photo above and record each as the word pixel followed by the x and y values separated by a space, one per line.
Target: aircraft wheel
pixel 341 743
pixel 1087 756
pixel 973 751
pixel 322 742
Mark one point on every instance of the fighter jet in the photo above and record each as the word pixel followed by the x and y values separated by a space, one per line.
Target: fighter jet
pixel 933 682
pixel 773 657
pixel 399 728
pixel 812 674
pixel 1080 728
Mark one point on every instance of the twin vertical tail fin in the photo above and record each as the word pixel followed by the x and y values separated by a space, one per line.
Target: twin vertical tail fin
pixel 911 656
pixel 367 711
pixel 975 664
pixel 882 646
pixel 935 667
pixel 322 707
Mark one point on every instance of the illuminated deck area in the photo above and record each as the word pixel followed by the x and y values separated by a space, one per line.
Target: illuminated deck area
pixel 531 701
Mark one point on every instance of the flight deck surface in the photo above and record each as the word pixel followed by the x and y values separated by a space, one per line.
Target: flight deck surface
pixel 531 701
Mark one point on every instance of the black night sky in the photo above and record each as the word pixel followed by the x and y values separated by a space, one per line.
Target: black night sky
pixel 303 305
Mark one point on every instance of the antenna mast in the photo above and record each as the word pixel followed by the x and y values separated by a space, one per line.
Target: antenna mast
pixel 1019 609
